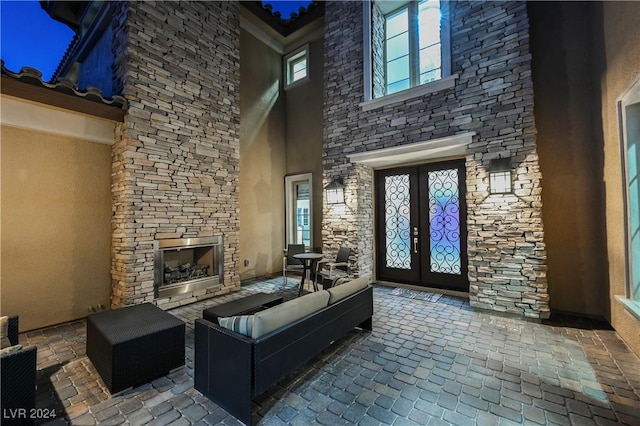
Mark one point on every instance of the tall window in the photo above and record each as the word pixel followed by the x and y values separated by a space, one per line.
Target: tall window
pixel 629 109
pixel 413 46
pixel 299 209
pixel 410 45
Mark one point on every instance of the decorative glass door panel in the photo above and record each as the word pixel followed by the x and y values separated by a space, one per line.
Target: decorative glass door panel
pixel 421 229
pixel 444 221
pixel 397 221
pixel 397 209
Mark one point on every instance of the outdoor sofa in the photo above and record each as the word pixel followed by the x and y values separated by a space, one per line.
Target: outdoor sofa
pixel 231 368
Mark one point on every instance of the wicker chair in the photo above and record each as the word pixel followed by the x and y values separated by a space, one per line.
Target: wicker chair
pixel 18 376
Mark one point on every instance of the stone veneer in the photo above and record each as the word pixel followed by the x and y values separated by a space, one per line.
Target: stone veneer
pixel 176 158
pixel 492 97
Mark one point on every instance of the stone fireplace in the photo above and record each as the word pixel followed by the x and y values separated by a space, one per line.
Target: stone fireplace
pixel 175 163
pixel 184 265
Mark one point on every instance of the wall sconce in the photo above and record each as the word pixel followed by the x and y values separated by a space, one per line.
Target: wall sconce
pixel 500 176
pixel 335 191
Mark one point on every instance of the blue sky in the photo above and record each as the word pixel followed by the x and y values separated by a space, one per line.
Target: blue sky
pixel 29 37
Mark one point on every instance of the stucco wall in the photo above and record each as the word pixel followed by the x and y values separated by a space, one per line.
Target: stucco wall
pixel 56 226
pixel 571 157
pixel 262 158
pixel 616 24
pixel 304 131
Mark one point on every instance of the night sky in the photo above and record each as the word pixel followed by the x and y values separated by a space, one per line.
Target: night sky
pixel 29 37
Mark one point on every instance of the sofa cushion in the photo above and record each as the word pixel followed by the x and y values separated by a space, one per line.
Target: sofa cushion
pixel 288 312
pixel 10 349
pixel 242 324
pixel 347 289
pixel 4 332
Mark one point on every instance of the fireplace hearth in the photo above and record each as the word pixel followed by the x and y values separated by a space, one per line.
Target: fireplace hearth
pixel 187 264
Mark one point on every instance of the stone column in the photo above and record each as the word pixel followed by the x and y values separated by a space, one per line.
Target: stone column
pixel 176 159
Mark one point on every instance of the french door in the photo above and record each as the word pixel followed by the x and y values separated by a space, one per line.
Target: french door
pixel 421 228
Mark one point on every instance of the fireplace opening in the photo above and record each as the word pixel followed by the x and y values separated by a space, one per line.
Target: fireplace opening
pixel 187 264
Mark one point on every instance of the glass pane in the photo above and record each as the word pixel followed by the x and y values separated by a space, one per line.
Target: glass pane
pixel 633 169
pixel 444 221
pixel 429 25
pixel 430 59
pixel 298 69
pixel 302 191
pixel 397 46
pixel 300 65
pixel 430 76
pixel 303 230
pixel 398 86
pixel 397 221
pixel 300 74
pixel 397 23
pixel 398 70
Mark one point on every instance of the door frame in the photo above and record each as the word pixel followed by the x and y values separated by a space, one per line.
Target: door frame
pixel 444 284
pixel 290 182
pixel 446 281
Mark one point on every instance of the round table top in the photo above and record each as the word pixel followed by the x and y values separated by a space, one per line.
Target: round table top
pixel 308 256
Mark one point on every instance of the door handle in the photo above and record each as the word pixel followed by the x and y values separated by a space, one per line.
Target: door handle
pixel 415 245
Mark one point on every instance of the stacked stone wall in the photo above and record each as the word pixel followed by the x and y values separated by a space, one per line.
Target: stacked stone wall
pixel 176 158
pixel 493 97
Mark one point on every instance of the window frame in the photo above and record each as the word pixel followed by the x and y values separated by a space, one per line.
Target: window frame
pixel 631 97
pixel 446 81
pixel 289 60
pixel 291 209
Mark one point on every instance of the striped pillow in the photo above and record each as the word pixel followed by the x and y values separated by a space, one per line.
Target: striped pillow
pixel 242 324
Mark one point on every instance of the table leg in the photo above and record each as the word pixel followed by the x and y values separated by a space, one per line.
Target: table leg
pixel 315 281
pixel 304 274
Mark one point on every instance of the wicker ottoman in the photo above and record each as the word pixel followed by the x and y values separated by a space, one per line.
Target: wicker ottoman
pixel 130 346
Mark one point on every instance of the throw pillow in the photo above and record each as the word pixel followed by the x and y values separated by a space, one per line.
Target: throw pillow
pixel 242 324
pixel 341 281
pixel 347 289
pixel 10 349
pixel 4 332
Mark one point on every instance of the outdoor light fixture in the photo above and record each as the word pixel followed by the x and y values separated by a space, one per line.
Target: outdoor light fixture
pixel 335 191
pixel 500 176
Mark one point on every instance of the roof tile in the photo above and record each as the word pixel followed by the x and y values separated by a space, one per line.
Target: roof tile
pixel 64 85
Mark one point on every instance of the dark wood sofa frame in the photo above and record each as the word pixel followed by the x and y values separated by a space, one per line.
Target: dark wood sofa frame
pixel 232 369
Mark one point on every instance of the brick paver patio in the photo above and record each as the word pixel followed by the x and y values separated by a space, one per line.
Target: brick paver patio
pixel 430 360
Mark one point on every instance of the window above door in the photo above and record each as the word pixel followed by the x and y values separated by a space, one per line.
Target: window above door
pixel 408 53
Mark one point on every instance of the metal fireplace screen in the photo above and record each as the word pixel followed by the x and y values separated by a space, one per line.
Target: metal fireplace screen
pixel 187 264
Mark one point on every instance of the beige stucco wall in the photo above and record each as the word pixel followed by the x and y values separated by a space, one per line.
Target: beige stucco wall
pixel 577 83
pixel 304 131
pixel 621 43
pixel 262 159
pixel 56 226
pixel 571 158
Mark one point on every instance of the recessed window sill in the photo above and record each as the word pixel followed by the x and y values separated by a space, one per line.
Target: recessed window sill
pixel 296 83
pixel 414 92
pixel 631 306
